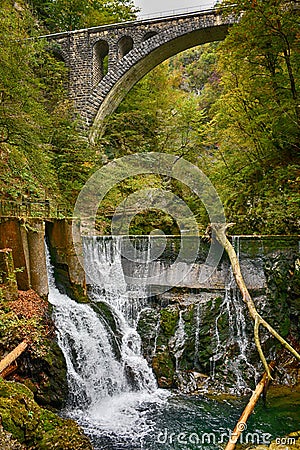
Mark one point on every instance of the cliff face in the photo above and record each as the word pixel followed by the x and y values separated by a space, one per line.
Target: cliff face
pixel 198 339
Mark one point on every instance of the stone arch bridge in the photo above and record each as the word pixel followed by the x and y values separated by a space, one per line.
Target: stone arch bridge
pixel 105 62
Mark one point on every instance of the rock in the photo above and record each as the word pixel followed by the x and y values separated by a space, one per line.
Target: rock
pixel 216 336
pixel 35 427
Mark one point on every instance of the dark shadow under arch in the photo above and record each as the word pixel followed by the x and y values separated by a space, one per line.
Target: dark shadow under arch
pixel 100 62
pixel 149 35
pixel 125 44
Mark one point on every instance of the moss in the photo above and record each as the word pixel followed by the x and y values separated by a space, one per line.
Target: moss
pixel 164 368
pixel 168 320
pixel 34 426
pixel 79 293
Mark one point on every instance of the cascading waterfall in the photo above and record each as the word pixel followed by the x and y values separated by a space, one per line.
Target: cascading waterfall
pixel 198 322
pixel 179 340
pixel 112 392
pixel 105 275
pixel 108 377
pixel 235 310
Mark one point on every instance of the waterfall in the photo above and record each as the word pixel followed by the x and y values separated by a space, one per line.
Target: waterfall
pixel 179 340
pixel 198 322
pixel 113 394
pixel 108 377
pixel 238 338
pixel 105 275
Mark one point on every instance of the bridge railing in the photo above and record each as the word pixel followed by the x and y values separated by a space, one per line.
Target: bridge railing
pixel 178 11
pixel 45 209
pixel 32 208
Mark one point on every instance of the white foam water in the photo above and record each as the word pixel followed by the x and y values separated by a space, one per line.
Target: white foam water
pixel 110 383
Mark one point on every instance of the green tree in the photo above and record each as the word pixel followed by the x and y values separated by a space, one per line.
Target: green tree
pixel 24 119
pixel 256 119
pixel 157 115
pixel 42 152
pixel 63 15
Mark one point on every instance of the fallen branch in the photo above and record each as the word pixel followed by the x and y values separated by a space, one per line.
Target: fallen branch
pixel 242 422
pixel 12 356
pixel 9 370
pixel 220 233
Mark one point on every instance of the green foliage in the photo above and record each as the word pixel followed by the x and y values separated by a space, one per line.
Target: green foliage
pixel 25 122
pixel 255 127
pixel 63 15
pixel 230 108
pixel 157 115
pixel 42 154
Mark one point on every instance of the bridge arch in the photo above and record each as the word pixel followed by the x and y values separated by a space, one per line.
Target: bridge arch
pixel 109 93
pixel 98 86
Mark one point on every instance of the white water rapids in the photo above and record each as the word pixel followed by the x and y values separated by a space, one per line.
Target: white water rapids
pixel 113 393
pixel 109 380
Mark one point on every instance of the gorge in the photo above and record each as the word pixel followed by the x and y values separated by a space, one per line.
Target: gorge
pixel 197 338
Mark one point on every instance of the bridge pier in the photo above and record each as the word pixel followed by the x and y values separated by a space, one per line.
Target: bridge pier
pixel 26 239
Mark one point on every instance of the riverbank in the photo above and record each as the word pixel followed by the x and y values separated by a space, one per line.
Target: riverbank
pixel 37 386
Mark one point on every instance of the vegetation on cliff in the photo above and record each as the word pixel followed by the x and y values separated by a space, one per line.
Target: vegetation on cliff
pixel 232 109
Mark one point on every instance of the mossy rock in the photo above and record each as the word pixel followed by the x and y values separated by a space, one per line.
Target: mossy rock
pixel 34 426
pixel 168 320
pixel 48 375
pixel 147 328
pixel 164 368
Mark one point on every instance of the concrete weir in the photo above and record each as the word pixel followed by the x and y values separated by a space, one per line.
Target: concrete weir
pixel 68 267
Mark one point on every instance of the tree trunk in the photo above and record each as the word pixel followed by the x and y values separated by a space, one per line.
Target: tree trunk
pixel 9 370
pixel 219 232
pixel 12 356
pixel 241 424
